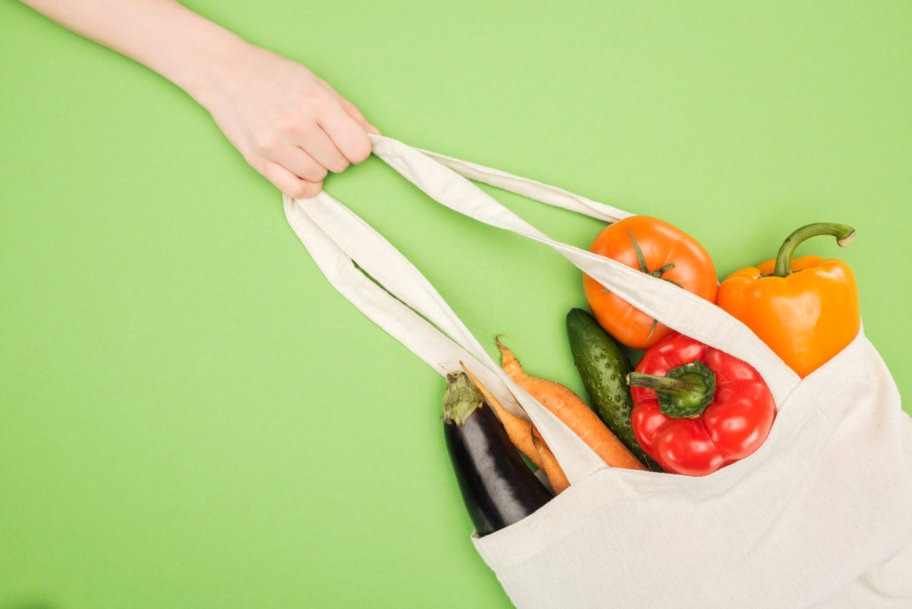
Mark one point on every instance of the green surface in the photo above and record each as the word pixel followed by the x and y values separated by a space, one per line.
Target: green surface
pixel 191 417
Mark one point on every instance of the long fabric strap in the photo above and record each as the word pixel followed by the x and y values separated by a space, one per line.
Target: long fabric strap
pixel 337 240
pixel 536 191
pixel 412 311
pixel 676 308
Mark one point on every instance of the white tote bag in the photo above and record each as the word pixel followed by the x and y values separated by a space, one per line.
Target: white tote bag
pixel 819 517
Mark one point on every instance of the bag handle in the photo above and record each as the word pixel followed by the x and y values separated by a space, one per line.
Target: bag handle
pixel 402 302
pixel 536 191
pixel 678 309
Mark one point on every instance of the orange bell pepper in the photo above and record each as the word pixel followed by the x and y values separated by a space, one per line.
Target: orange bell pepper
pixel 806 309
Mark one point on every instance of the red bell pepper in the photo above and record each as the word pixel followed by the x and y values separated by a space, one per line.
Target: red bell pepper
pixel 696 408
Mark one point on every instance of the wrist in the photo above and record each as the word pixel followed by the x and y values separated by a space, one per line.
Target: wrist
pixel 197 55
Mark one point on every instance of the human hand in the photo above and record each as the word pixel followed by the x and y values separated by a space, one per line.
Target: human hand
pixel 290 125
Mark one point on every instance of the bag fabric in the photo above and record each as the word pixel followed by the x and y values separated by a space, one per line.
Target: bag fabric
pixel 819 517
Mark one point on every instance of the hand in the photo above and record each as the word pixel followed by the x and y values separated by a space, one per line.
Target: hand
pixel 290 125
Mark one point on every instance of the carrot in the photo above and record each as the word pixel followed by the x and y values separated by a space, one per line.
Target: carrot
pixel 525 437
pixel 550 466
pixel 572 411
pixel 518 429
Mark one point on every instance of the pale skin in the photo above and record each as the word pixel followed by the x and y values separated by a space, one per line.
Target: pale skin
pixel 290 125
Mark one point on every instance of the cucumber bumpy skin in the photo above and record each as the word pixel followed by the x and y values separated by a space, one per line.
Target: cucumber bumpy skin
pixel 603 368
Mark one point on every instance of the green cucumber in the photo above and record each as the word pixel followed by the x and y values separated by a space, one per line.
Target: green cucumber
pixel 603 368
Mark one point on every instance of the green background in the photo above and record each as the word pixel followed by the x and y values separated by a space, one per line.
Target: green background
pixel 191 417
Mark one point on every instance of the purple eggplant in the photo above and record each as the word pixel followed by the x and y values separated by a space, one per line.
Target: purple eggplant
pixel 497 486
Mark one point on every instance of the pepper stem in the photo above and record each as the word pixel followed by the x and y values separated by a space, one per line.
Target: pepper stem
pixel 844 235
pixel 462 398
pixel 685 392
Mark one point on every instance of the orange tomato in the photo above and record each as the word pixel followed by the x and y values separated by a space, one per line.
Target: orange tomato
pixel 659 249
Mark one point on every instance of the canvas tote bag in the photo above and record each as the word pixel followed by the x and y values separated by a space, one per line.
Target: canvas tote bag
pixel 819 517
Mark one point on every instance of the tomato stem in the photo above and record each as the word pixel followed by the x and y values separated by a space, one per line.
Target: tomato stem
pixel 685 392
pixel 844 235
pixel 641 260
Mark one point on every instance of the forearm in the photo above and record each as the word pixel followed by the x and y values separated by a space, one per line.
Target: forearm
pixel 290 125
pixel 163 35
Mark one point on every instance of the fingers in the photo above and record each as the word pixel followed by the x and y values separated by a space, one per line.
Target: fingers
pixel 316 143
pixel 347 136
pixel 288 124
pixel 302 164
pixel 345 126
pixel 299 173
pixel 356 114
pixel 289 183
pixel 326 134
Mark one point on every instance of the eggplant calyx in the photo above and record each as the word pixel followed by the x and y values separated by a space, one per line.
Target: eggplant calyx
pixel 461 400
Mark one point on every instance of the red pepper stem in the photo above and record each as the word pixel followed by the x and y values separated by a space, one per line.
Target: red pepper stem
pixel 685 392
pixel 844 235
pixel 664 384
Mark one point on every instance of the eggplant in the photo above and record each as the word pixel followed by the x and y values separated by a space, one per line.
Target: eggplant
pixel 497 486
